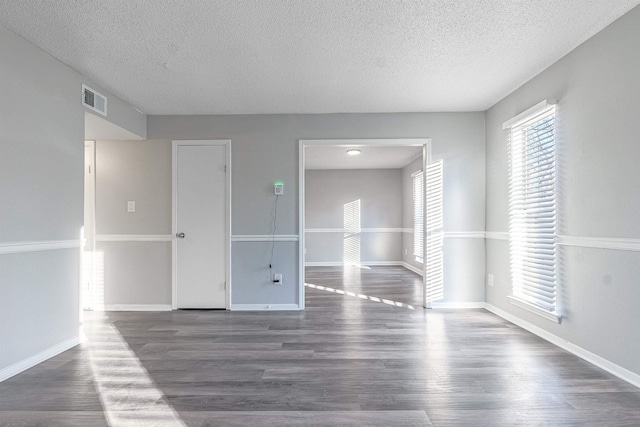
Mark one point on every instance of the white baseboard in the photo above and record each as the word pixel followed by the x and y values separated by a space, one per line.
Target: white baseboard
pixel 368 264
pixel 32 361
pixel 265 307
pixel 600 362
pixel 412 268
pixel 439 304
pixel 138 307
pixel 342 264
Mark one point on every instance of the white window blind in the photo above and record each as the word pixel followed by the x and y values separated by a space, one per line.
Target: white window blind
pixel 532 210
pixel 418 215
pixel 434 264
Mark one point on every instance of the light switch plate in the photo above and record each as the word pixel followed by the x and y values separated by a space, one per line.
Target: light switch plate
pixel 131 206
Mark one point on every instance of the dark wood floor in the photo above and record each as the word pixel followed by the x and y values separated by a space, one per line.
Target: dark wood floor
pixel 364 353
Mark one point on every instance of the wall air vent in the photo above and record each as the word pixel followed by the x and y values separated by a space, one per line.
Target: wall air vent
pixel 94 101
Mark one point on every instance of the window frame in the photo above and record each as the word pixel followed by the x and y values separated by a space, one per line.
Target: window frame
pixel 533 193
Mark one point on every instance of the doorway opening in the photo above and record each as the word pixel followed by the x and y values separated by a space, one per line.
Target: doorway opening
pixel 92 262
pixel 357 213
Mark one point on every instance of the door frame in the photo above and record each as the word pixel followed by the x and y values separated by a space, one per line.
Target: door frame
pixel 174 217
pixel 425 143
pixel 88 234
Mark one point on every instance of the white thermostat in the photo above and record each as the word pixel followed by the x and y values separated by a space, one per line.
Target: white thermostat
pixel 278 188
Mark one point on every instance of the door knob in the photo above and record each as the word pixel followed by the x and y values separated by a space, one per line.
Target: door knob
pixel 180 235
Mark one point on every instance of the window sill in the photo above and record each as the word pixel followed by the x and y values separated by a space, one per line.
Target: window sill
pixel 553 317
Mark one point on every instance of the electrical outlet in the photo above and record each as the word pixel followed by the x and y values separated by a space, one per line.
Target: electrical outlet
pixel 490 279
pixel 277 278
pixel 278 189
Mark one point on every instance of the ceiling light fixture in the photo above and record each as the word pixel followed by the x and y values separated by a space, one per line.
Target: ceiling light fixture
pixel 353 152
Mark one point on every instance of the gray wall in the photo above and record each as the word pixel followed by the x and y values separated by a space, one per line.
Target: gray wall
pixel 41 158
pixel 133 170
pixel 598 89
pixel 41 186
pixel 380 195
pixel 119 113
pixel 135 271
pixel 265 149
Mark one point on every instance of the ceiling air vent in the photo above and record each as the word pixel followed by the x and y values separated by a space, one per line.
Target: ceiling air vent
pixel 94 100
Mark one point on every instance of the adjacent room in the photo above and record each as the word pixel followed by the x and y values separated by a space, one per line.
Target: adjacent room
pixel 354 212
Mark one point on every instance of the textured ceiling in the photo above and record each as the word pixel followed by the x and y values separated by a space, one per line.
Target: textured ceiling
pixel 370 157
pixel 313 56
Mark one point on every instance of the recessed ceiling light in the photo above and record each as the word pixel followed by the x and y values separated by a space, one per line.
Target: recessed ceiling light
pixel 353 152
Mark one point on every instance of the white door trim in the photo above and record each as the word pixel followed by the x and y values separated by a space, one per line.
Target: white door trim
pixel 303 143
pixel 174 217
pixel 88 230
pixel 91 192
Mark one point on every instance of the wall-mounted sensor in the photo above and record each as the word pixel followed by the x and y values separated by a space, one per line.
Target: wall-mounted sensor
pixel 278 188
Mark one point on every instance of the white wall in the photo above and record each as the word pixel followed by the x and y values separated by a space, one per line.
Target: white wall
pixel 265 149
pixel 598 91
pixel 380 194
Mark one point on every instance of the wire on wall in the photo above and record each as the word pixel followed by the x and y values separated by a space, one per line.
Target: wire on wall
pixel 274 217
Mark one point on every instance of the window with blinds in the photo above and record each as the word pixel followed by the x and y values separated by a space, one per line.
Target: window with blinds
pixel 418 215
pixel 532 210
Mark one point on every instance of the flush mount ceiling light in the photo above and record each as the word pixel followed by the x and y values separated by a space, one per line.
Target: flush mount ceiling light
pixel 353 152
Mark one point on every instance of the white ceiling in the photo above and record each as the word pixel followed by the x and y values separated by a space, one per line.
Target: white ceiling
pixel 370 157
pixel 313 56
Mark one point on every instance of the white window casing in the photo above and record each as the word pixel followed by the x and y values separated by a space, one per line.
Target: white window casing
pixel 532 210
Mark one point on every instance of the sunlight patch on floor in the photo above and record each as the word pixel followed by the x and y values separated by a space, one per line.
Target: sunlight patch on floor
pixel 127 393
pixel 361 296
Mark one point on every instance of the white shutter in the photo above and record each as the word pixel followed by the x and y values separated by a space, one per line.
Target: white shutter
pixel 418 216
pixel 434 263
pixel 532 210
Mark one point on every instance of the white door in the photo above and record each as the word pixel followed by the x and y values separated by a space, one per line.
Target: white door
pixel 200 226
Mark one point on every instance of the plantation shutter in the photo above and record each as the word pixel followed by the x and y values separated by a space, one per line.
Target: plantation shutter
pixel 434 264
pixel 418 215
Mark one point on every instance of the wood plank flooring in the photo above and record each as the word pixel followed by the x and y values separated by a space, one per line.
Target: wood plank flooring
pixel 363 353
